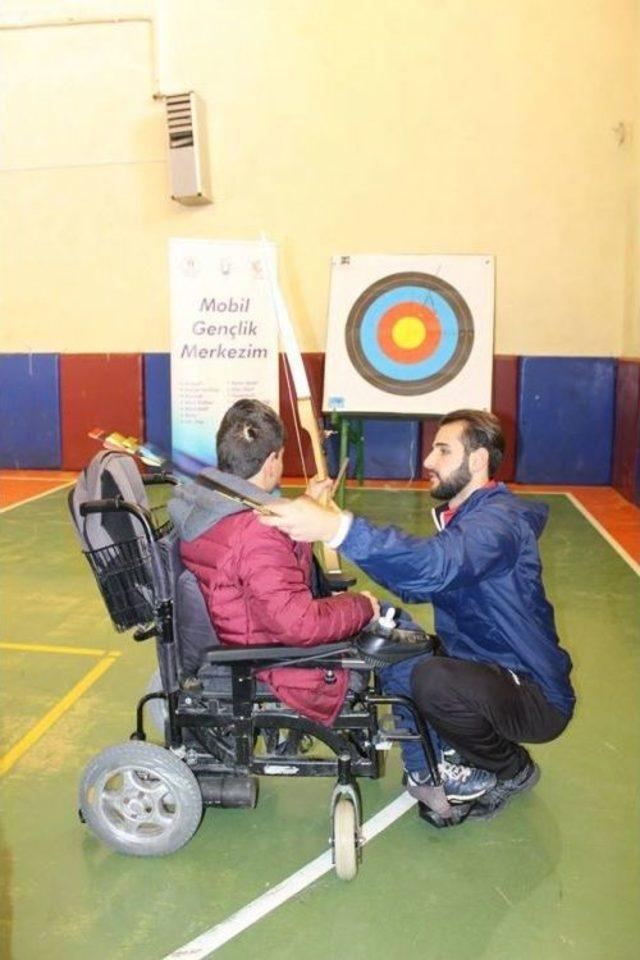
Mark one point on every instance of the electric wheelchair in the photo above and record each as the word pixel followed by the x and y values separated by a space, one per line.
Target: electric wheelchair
pixel 221 728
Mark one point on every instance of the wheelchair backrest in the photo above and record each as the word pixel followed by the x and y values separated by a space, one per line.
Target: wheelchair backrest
pixel 192 625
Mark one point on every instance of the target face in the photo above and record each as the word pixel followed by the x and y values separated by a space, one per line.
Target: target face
pixel 409 333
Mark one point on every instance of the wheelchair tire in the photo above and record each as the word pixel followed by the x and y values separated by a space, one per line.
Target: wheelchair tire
pixel 345 839
pixel 140 799
pixel 156 710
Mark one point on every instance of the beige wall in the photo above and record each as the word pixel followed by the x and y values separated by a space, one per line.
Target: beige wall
pixel 435 126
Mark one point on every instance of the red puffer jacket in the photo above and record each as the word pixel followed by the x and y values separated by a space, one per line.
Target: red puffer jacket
pixel 255 581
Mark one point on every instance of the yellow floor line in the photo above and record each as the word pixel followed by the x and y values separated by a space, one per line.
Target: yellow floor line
pixel 21 747
pixel 46 648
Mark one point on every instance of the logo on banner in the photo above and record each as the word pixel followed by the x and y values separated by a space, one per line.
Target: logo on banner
pixel 190 267
pixel 409 333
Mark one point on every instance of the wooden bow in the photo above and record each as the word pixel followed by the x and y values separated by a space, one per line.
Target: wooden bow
pixel 304 401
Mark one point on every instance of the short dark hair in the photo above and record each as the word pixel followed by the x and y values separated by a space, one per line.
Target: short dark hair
pixel 481 429
pixel 248 433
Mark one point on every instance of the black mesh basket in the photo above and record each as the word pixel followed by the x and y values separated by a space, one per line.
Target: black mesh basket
pixel 124 574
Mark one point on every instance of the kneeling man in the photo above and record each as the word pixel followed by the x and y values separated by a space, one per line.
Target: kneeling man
pixel 505 678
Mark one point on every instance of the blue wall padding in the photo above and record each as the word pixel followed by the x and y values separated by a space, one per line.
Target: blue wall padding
pixel 392 450
pixel 157 400
pixel 30 411
pixel 565 420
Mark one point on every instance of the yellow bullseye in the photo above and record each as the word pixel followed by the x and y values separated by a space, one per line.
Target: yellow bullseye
pixel 408 333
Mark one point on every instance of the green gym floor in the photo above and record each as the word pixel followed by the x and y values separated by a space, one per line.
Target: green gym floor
pixel 555 876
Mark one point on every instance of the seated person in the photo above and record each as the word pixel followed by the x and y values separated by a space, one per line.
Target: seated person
pixel 257 585
pixel 256 581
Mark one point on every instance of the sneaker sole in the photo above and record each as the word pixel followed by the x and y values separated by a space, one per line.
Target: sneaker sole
pixel 469 798
pixel 485 813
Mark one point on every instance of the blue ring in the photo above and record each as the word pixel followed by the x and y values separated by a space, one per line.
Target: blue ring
pixel 423 368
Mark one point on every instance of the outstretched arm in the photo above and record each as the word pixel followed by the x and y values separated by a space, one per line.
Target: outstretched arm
pixel 416 568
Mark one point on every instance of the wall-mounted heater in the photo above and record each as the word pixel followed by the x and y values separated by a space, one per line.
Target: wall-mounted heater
pixel 188 158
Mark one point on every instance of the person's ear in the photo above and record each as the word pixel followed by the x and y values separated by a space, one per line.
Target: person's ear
pixel 479 460
pixel 271 463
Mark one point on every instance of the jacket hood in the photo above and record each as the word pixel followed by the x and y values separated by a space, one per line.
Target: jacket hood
pixel 195 507
pixel 532 512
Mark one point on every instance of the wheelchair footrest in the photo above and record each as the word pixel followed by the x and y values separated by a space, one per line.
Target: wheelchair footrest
pixel 388 728
pixel 458 815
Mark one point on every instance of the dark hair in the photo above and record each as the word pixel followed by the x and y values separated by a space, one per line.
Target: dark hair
pixel 481 429
pixel 248 433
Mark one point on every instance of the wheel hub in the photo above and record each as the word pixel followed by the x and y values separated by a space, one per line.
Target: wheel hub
pixel 137 808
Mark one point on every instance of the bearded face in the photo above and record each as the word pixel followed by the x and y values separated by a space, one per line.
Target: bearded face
pixel 445 488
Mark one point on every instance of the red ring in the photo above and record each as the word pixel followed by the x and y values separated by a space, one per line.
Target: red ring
pixel 433 332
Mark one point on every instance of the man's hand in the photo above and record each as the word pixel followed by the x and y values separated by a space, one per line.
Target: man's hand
pixel 316 488
pixel 375 603
pixel 303 519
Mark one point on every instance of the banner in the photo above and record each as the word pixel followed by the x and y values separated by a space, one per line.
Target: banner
pixel 409 335
pixel 224 338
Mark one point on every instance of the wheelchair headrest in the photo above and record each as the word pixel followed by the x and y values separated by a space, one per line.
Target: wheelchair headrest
pixel 110 474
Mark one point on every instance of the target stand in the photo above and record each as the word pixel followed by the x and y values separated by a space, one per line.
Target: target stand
pixel 350 432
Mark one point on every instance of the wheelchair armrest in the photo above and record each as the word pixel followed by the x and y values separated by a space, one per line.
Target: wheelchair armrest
pixel 380 647
pixel 338 582
pixel 273 654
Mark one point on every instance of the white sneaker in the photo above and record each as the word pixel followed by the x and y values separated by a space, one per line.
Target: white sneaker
pixel 461 784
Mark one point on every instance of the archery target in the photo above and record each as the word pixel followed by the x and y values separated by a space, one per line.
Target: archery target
pixel 409 333
pixel 412 340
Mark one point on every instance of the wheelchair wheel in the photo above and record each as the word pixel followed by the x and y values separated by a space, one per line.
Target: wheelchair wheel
pixel 140 799
pixel 156 710
pixel 345 839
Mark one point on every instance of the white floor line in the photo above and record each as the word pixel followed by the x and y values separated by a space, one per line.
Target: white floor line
pixel 38 496
pixel 208 942
pixel 607 536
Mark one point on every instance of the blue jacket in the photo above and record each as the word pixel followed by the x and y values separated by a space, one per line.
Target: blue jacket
pixel 483 575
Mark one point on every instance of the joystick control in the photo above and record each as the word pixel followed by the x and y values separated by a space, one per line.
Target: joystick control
pixel 383 642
